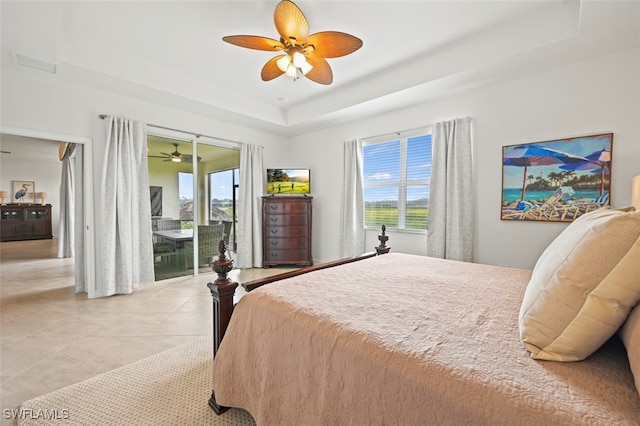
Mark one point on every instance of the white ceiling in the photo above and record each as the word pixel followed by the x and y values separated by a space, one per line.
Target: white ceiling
pixel 21 148
pixel 414 51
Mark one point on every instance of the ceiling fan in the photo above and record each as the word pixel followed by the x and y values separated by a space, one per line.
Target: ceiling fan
pixel 304 54
pixel 175 156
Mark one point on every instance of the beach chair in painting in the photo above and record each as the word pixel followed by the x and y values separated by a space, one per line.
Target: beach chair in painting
pixel 578 207
pixel 552 208
pixel 601 201
pixel 517 211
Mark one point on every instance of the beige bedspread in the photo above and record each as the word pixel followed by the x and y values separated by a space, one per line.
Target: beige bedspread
pixel 408 340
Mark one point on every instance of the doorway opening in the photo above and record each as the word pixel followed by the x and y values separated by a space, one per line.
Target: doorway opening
pixel 35 156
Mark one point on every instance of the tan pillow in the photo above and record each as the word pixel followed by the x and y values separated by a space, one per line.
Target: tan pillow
pixel 583 286
pixel 630 334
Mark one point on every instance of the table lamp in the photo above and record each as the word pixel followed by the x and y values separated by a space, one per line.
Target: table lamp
pixel 3 196
pixel 42 196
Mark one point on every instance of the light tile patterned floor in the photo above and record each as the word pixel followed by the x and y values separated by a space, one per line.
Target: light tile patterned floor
pixel 51 337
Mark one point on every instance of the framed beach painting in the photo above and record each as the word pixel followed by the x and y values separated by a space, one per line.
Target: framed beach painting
pixel 557 180
pixel 23 191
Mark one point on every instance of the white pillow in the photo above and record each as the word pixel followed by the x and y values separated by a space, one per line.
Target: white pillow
pixel 630 334
pixel 583 286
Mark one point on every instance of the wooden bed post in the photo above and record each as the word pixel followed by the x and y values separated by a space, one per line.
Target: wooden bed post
pixel 222 291
pixel 383 238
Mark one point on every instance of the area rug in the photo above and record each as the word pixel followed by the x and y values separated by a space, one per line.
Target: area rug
pixel 170 388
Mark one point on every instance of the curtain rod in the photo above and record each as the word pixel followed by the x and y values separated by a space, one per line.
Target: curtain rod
pixel 197 135
pixel 397 133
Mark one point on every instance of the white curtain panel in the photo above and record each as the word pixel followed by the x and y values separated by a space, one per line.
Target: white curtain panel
pixel 78 211
pixel 450 232
pixel 71 229
pixel 250 207
pixel 352 234
pixel 126 251
pixel 67 215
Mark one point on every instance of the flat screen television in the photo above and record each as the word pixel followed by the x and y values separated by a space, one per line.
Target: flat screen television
pixel 288 181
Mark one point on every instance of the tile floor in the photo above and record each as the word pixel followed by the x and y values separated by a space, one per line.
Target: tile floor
pixel 51 337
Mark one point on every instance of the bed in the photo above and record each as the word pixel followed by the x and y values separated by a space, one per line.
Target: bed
pixel 406 339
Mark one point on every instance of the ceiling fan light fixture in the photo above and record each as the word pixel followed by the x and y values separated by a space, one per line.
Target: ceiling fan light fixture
pixel 283 62
pixel 305 66
pixel 176 158
pixel 292 71
pixel 298 59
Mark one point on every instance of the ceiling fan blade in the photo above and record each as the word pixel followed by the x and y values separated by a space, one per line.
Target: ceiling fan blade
pixel 271 70
pixel 254 42
pixel 321 71
pixel 291 22
pixel 333 44
pixel 189 158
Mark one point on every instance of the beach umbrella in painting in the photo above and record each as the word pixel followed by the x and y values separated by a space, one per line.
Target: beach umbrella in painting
pixel 598 162
pixel 535 155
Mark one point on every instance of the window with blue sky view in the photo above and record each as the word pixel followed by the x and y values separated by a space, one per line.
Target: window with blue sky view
pixel 396 182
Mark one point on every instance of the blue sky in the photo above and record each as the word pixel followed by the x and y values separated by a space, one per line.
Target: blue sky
pixel 221 188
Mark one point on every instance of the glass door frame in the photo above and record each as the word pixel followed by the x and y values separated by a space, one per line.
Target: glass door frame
pixel 196 194
pixel 195 170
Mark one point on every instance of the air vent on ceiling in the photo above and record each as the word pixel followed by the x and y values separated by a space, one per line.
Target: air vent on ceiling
pixel 38 64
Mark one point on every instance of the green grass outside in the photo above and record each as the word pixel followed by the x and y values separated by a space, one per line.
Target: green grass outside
pixel 287 187
pixel 416 218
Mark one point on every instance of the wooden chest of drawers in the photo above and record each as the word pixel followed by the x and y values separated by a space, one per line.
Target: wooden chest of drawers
pixel 286 227
pixel 25 222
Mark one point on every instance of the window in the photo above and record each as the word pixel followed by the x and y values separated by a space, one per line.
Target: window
pixel 397 174
pixel 223 192
pixel 185 195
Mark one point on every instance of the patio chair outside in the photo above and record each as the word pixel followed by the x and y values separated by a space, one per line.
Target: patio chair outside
pixel 209 237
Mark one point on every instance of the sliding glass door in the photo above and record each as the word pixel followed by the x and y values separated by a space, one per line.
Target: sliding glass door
pixel 223 188
pixel 188 226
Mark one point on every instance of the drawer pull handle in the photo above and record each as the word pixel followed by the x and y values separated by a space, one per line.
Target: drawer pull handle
pixel 274 219
pixel 274 207
pixel 273 243
pixel 274 231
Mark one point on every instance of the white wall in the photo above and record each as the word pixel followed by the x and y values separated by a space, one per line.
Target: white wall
pixel 597 96
pixel 33 100
pixel 45 174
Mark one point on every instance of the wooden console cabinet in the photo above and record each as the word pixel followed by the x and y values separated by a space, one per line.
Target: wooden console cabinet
pixel 286 231
pixel 25 222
